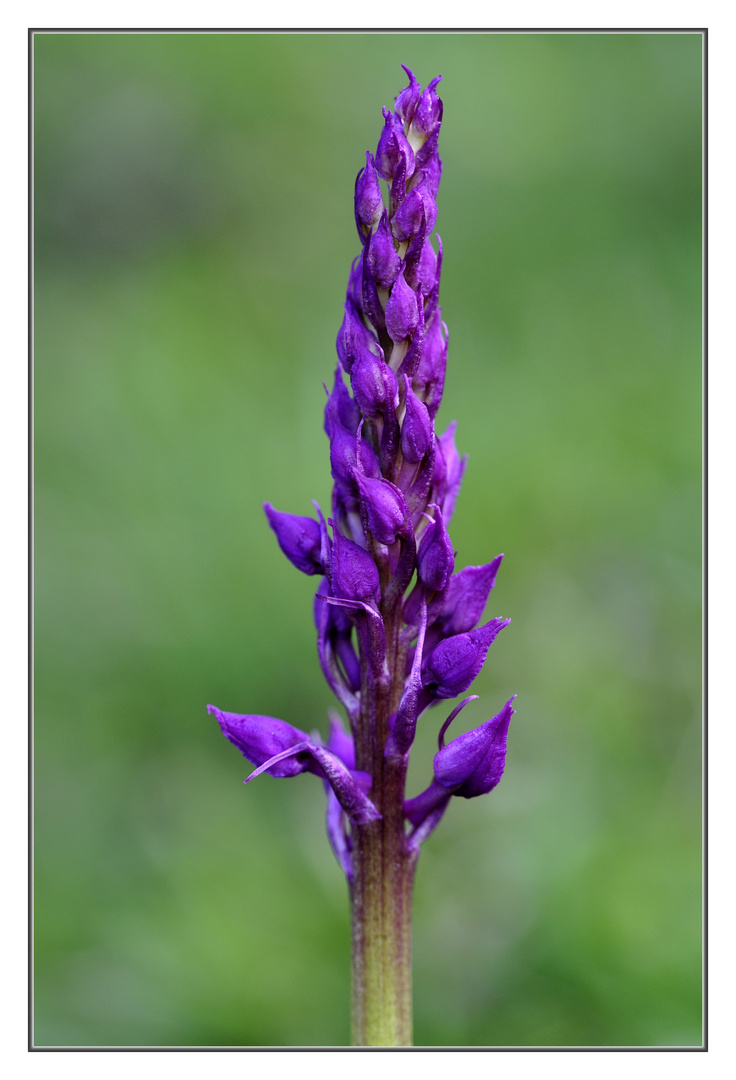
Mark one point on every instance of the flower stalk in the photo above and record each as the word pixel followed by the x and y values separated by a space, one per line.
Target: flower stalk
pixel 396 626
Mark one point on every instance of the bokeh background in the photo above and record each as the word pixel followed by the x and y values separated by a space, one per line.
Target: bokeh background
pixel 193 237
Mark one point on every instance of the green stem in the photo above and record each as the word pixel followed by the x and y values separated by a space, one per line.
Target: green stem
pixel 383 877
pixel 381 916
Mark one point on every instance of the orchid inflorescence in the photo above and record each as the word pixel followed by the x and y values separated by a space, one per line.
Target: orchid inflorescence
pixel 396 626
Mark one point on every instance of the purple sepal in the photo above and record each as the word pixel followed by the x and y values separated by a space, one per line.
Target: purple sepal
pixel 344 449
pixel 368 198
pixel 455 712
pixel 299 538
pixel 372 637
pixel 391 434
pixel 349 660
pixel 424 807
pixel 397 193
pixel 325 548
pixel 418 209
pixel 387 511
pixel 392 146
pixel 428 112
pixel 353 337
pixel 338 660
pixel 421 272
pixel 416 427
pixel 260 738
pixel 418 493
pixel 430 374
pixel 383 261
pixel 435 557
pixel 340 406
pixel 402 310
pixel 433 298
pixel 374 383
pixel 403 571
pixel 473 763
pixel 406 102
pixel 340 742
pixel 429 163
pixel 413 354
pixel 459 607
pixel 355 282
pixel 455 467
pixel 354 573
pixel 371 304
pixel 349 787
pixel 455 662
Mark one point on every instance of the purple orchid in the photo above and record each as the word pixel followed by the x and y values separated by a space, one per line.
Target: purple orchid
pixel 397 627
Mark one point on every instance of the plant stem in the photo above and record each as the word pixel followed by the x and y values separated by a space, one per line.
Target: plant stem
pixel 381 937
pixel 381 893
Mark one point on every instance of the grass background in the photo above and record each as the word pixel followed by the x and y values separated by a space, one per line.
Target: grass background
pixel 193 237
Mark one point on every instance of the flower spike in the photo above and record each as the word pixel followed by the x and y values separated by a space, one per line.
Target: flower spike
pixel 397 627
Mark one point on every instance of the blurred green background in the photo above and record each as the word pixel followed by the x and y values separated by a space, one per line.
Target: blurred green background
pixel 194 233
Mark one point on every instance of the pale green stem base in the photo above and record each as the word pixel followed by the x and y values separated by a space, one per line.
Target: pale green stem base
pixel 381 937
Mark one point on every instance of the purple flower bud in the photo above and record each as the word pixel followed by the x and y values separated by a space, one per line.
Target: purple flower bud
pixel 423 271
pixel 299 538
pixel 374 383
pixel 368 197
pixel 453 664
pixel 416 429
pixel 383 262
pixel 354 573
pixel 417 209
pixel 473 763
pixel 386 509
pixel 407 100
pixel 344 445
pixel 428 164
pixel 392 147
pixel 353 337
pixel 397 193
pixel 428 112
pixel 432 171
pixel 341 408
pixel 429 379
pixel 259 738
pixel 455 466
pixel 435 558
pixel 402 311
